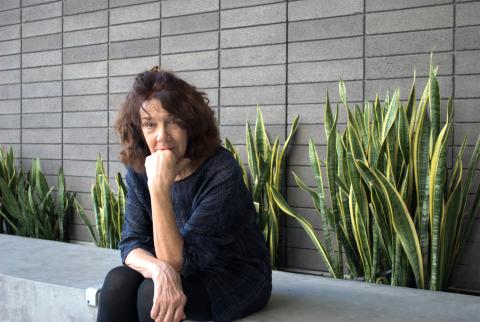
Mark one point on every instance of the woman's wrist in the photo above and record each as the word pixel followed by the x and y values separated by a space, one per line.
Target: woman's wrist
pixel 160 191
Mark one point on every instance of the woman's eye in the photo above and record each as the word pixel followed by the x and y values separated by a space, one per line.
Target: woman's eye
pixel 148 125
pixel 173 120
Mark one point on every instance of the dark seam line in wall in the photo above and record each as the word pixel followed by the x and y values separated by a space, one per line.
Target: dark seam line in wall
pixel 129 22
pixel 255 5
pixel 412 30
pixel 21 87
pixel 364 60
pixel 44 19
pixel 41 4
pixel 160 35
pixel 84 29
pixel 82 12
pixel 283 256
pixel 409 8
pixel 61 106
pixel 453 77
pixel 134 4
pixel 409 54
pixel 186 33
pixel 188 14
pixel 108 90
pixel 38 36
pixel 219 62
pixel 327 18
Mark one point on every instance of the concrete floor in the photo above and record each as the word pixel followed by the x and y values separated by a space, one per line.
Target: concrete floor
pixel 46 281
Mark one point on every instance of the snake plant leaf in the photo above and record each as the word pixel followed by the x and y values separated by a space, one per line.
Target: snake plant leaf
pixel 98 214
pixel 410 108
pixel 341 184
pixel 448 231
pixel 331 169
pixel 457 168
pixel 87 221
pixel 474 210
pixel 229 146
pixel 261 138
pixel 383 222
pixel 108 211
pixel 318 198
pixel 361 130
pixel 263 179
pixel 38 179
pixel 253 162
pixel 400 217
pixel 8 200
pixel 274 161
pixel 342 92
pixel 367 114
pixel 315 163
pixel 421 169
pixel 62 204
pixel 273 224
pixel 355 144
pixel 450 110
pixel 328 116
pixel 313 194
pixel 9 222
pixel 308 228
pixel 471 170
pixel 360 233
pixel 281 160
pixel 434 99
pixel 403 137
pixel 358 206
pixel 99 168
pixel 438 170
pixel 122 195
pixel 391 115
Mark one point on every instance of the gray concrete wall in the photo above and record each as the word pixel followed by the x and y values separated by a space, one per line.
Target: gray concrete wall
pixel 66 65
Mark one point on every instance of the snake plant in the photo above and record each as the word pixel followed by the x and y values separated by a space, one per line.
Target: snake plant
pixel 11 176
pixel 109 209
pixel 396 211
pixel 267 164
pixel 28 205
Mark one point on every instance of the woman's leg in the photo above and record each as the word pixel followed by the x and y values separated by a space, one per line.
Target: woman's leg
pixel 118 297
pixel 197 307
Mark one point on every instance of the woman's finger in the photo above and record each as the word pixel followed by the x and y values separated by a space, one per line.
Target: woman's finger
pixel 156 305
pixel 169 315
pixel 155 310
pixel 179 314
pixel 161 315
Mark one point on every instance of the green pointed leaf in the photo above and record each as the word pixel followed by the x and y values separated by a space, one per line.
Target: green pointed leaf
pixel 400 217
pixel 307 228
pixel 434 99
pixel 342 92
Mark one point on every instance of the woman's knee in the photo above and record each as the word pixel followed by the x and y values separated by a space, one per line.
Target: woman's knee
pixel 122 278
pixel 145 300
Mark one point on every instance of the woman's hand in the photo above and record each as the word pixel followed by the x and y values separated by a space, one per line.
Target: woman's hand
pixel 162 168
pixel 168 298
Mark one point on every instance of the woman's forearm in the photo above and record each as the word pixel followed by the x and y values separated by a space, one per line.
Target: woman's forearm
pixel 167 239
pixel 143 262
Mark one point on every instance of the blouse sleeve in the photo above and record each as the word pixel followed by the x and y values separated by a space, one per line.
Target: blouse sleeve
pixel 220 213
pixel 137 228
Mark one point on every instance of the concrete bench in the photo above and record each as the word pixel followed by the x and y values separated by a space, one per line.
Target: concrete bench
pixel 47 281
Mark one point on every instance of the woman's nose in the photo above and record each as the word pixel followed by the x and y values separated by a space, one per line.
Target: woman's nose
pixel 161 134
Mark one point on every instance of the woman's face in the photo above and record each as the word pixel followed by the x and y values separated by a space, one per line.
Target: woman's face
pixel 161 130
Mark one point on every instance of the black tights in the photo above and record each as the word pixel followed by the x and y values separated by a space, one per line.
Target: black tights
pixel 127 296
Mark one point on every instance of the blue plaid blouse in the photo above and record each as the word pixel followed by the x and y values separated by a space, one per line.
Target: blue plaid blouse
pixel 222 243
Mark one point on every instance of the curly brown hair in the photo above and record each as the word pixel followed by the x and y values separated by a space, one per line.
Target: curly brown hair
pixel 180 99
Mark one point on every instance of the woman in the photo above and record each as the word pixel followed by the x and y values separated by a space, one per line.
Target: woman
pixel 190 243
